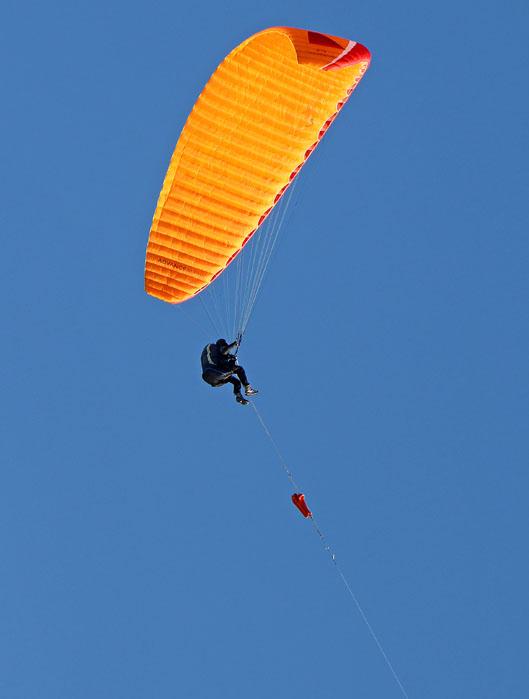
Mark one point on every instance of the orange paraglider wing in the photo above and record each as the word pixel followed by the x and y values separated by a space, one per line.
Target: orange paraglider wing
pixel 258 119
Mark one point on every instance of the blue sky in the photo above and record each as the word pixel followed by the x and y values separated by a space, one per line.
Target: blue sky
pixel 149 546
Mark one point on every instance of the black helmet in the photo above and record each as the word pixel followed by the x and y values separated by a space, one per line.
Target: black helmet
pixel 221 343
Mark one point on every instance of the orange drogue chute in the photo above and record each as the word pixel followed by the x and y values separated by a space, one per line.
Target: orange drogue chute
pixel 299 501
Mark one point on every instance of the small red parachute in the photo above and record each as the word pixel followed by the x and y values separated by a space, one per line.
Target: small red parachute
pixel 299 501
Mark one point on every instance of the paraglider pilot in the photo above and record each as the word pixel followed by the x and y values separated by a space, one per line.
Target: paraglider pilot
pixel 219 367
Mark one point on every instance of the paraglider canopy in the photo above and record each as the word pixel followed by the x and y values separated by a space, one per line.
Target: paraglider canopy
pixel 260 116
